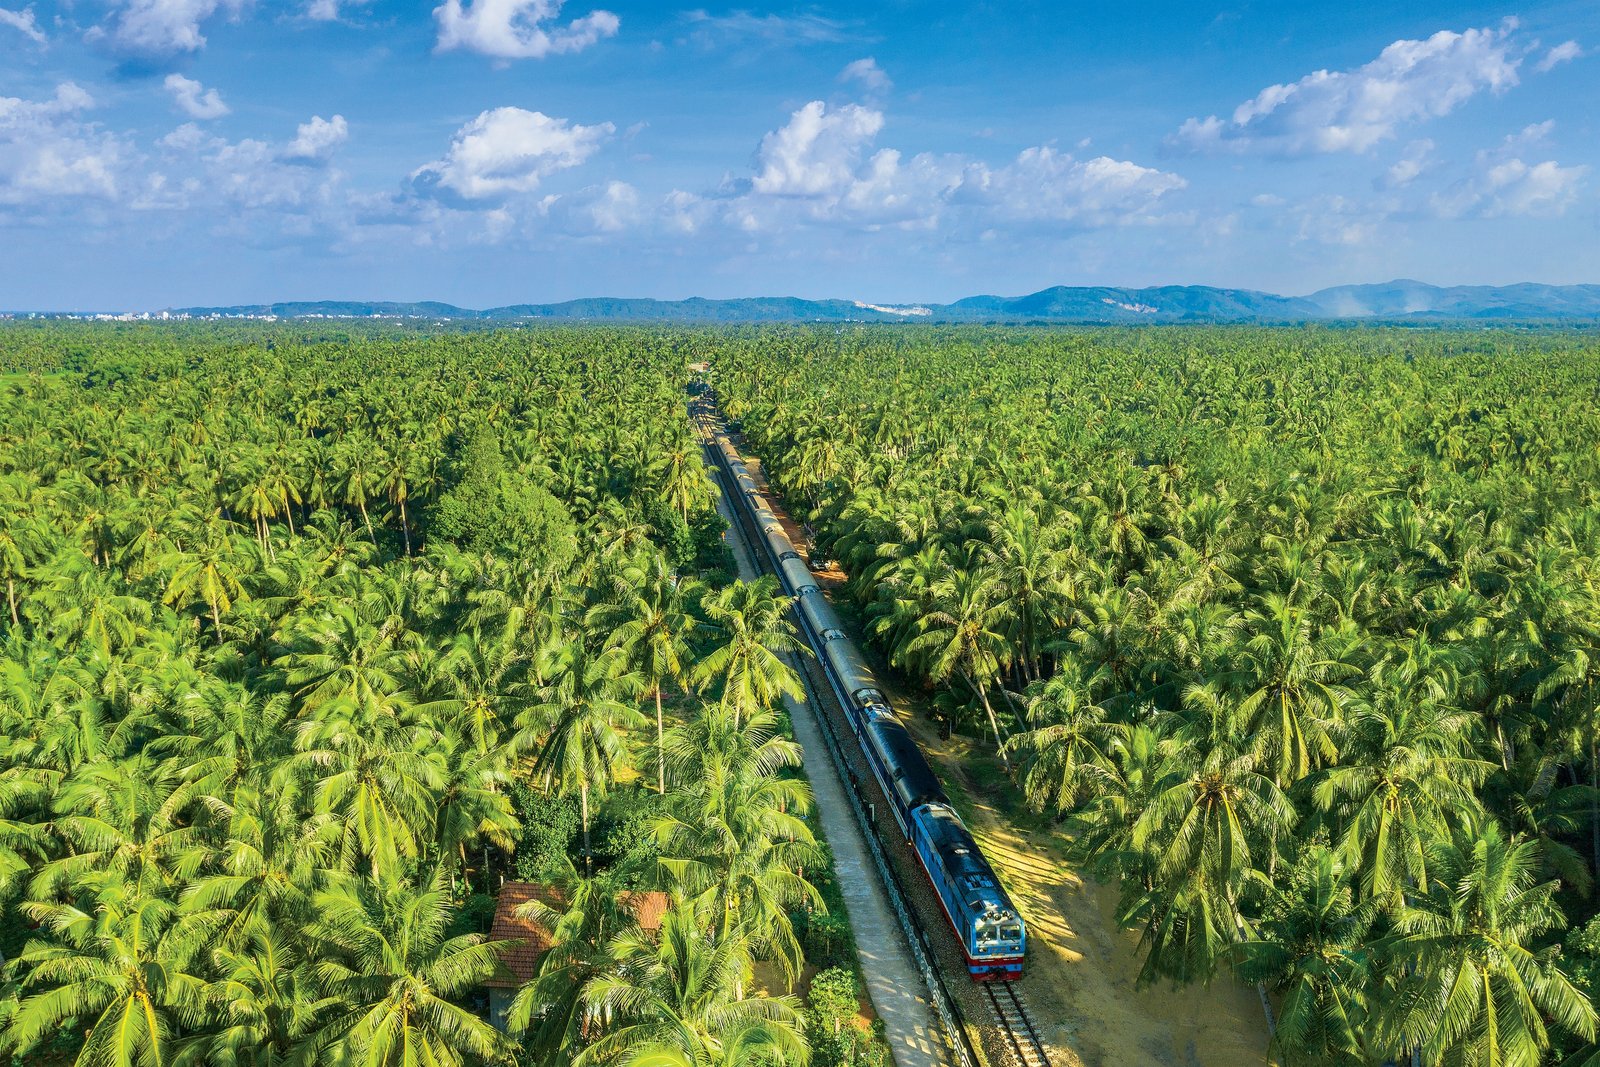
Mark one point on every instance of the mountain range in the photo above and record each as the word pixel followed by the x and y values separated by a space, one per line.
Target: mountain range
pixel 1396 301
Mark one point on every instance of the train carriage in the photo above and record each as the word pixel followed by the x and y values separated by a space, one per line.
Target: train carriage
pixel 976 907
pixel 795 573
pixel 819 613
pixel 901 768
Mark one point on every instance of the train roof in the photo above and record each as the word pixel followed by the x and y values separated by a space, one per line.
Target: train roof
pixel 910 767
pixel 963 859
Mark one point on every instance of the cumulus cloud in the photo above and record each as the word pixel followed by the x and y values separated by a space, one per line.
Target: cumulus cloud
pixel 1565 52
pixel 602 209
pixel 1512 187
pixel 253 186
pixel 158 29
pixel 744 28
pixel 507 151
pixel 517 29
pixel 194 99
pixel 1350 111
pixel 49 153
pixel 315 139
pixel 23 22
pixel 330 10
pixel 1409 167
pixel 870 76
pixel 1043 184
pixel 822 166
pixel 817 152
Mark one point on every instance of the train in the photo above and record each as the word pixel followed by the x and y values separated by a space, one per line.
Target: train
pixel 991 932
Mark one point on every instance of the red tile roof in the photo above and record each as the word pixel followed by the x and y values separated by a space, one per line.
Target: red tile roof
pixel 521 961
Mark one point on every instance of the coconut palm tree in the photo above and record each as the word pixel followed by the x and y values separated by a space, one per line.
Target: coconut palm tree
pixel 1065 748
pixel 1209 828
pixel 1290 696
pixel 393 975
pixel 736 841
pixel 750 633
pixel 577 725
pixel 125 963
pixel 1474 992
pixel 964 637
pixel 1312 949
pixel 671 1000
pixel 651 620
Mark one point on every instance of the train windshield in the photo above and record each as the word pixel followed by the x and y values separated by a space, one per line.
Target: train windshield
pixel 1012 933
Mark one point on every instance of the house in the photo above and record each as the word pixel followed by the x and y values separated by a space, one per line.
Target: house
pixel 521 961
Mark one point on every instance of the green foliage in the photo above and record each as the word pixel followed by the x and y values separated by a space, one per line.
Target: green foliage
pixel 549 828
pixel 711 551
pixel 1581 957
pixel 623 831
pixel 490 509
pixel 1273 620
pixel 837 1040
pixel 261 736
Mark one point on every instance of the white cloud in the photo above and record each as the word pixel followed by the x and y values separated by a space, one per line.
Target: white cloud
pixel 159 28
pixel 194 99
pixel 1529 136
pixel 1045 185
pixel 1410 167
pixel 1350 111
pixel 1565 52
pixel 315 139
pixel 817 152
pixel 236 179
pixel 1512 187
pixel 23 22
pixel 330 10
pixel 516 29
pixel 47 152
pixel 507 151
pixel 869 74
pixel 1340 221
pixel 744 28
pixel 604 209
pixel 821 166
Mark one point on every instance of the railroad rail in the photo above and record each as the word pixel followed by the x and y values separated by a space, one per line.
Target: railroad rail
pixel 1019 1033
pixel 1022 1035
pixel 948 1009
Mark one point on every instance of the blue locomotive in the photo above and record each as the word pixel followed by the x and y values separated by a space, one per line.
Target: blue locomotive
pixel 992 935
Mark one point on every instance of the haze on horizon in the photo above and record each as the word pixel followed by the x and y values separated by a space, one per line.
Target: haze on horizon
pixel 182 152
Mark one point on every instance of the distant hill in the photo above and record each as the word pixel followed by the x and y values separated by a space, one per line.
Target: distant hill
pixel 1409 299
pixel 1168 303
pixel 1400 300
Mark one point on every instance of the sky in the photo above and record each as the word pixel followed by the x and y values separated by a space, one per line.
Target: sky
pixel 169 153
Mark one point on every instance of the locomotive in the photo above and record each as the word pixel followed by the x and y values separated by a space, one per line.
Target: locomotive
pixel 991 932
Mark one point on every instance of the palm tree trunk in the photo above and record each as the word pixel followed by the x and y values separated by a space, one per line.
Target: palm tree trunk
pixel 288 515
pixel 366 519
pixel 216 620
pixel 1594 798
pixel 994 724
pixel 11 596
pixel 661 748
pixel 405 526
pixel 583 804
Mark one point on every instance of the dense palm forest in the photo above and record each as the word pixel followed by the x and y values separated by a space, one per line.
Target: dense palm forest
pixel 311 640
pixel 1295 632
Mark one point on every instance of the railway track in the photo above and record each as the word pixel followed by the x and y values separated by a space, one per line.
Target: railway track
pixel 960 1042
pixel 1019 1035
pixel 1022 1037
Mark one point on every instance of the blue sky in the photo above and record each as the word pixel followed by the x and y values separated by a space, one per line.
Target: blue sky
pixel 177 152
